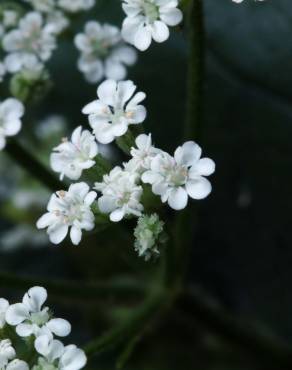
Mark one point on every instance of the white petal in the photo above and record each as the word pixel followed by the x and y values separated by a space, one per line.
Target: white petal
pixel 24 330
pixel 106 204
pixel 117 215
pixel 59 327
pixel 178 199
pixel 150 177
pixel 58 233
pixel 16 314
pixel 46 220
pixel 198 189
pixel 160 31
pixel 107 91
pixel 188 154
pixel 73 359
pixel 171 17
pixel 90 198
pixel 35 298
pixel 204 167
pixel 142 39
pixel 17 365
pixel 75 235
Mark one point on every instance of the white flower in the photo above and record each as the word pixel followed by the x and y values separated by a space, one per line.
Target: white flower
pixel 32 40
pixel 57 22
pixel 74 6
pixel 56 356
pixel 11 111
pixel 30 317
pixel 103 53
pixel 176 178
pixel 120 195
pixel 143 154
pixel 115 110
pixel 147 19
pixel 17 365
pixel 72 157
pixel 4 304
pixel 43 6
pixel 7 353
pixel 69 209
pixel 10 18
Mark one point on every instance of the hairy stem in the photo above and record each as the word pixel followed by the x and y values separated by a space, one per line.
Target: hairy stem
pixel 26 160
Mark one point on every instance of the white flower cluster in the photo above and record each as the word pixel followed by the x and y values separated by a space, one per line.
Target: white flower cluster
pixel 149 19
pixel 173 178
pixel 30 40
pixel 103 52
pixel 11 111
pixel 31 319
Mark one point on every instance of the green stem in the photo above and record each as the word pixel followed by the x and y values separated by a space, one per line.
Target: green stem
pixel 20 155
pixel 74 290
pixel 138 321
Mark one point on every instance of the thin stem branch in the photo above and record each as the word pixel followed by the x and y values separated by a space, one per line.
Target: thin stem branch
pixel 74 290
pixel 25 159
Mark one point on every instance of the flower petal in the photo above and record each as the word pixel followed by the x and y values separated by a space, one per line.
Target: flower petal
pixel 178 199
pixel 199 189
pixel 59 327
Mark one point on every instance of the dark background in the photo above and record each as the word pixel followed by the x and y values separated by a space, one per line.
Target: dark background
pixel 242 252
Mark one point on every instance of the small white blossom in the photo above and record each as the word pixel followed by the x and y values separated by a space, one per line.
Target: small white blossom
pixel 30 317
pixel 43 6
pixel 4 304
pixel 103 53
pixel 58 357
pixel 115 110
pixel 10 18
pixel 7 353
pixel 147 19
pixel 11 111
pixel 74 6
pixel 72 157
pixel 57 22
pixel 143 154
pixel 69 209
pixel 17 365
pixel 32 40
pixel 176 178
pixel 120 194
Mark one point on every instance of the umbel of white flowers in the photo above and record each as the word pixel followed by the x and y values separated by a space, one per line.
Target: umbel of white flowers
pixel 30 45
pixel 103 52
pixel 32 319
pixel 149 19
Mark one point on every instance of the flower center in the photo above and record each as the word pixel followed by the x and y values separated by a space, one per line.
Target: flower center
pixel 101 48
pixel 177 176
pixel 40 318
pixel 151 11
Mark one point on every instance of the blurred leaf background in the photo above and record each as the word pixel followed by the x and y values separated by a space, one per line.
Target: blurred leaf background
pixel 242 251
